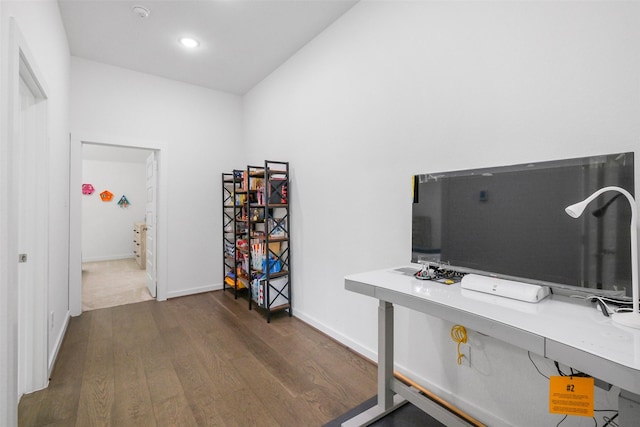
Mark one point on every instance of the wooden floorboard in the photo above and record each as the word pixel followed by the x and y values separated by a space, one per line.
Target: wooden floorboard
pixel 96 403
pixel 201 360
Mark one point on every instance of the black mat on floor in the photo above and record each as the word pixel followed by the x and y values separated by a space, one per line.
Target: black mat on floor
pixel 405 416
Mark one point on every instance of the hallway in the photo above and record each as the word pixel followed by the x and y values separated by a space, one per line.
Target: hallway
pixel 194 361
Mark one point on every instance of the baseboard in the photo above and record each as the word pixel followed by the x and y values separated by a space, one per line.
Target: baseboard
pixel 465 405
pixel 338 336
pixel 58 344
pixel 193 291
pixel 367 353
pixel 107 258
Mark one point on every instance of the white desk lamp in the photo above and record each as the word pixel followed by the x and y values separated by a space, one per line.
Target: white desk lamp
pixel 630 319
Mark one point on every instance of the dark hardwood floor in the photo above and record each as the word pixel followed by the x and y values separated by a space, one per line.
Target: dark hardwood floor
pixel 202 360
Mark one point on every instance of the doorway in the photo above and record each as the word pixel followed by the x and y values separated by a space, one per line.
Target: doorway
pixel 113 263
pixel 76 250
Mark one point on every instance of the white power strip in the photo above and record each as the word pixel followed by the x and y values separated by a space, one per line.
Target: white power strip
pixel 504 288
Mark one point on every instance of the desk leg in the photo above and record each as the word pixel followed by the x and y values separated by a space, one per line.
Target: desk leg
pixel 628 409
pixel 385 354
pixel 388 401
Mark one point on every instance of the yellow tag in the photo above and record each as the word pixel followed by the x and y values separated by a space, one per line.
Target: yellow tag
pixel 571 396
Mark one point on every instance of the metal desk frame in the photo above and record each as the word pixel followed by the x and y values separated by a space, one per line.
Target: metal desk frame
pixel 572 334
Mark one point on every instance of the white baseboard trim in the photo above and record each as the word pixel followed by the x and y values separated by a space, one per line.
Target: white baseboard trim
pixel 193 291
pixel 108 258
pixel 464 404
pixel 338 336
pixel 58 344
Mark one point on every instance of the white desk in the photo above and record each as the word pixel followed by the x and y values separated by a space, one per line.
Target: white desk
pixel 573 334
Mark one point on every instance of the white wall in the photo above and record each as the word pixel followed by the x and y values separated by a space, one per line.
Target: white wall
pixel 107 228
pixel 8 293
pixel 201 130
pixel 41 26
pixel 396 88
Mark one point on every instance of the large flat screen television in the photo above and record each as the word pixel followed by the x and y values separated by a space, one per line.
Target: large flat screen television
pixel 510 222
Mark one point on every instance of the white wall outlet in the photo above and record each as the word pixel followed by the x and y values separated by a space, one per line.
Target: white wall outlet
pixel 51 320
pixel 465 349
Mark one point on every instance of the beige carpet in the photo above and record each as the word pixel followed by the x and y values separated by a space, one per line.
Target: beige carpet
pixel 111 283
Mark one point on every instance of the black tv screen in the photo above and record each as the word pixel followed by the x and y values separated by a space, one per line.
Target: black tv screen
pixel 510 221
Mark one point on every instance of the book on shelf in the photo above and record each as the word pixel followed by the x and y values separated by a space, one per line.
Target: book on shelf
pixel 278 290
pixel 240 176
pixel 256 183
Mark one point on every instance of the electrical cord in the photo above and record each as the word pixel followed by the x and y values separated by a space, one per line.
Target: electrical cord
pixel 606 309
pixel 439 272
pixel 609 422
pixel 535 366
pixel 560 422
pixel 558 369
pixel 459 335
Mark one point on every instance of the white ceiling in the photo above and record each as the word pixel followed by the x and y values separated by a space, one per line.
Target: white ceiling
pixel 241 41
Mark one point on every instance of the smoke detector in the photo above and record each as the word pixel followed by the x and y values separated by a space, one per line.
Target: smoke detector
pixel 140 11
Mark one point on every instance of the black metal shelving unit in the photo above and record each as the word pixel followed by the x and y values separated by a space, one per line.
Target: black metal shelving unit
pixel 269 224
pixel 228 234
pixel 256 207
pixel 241 229
pixel 235 231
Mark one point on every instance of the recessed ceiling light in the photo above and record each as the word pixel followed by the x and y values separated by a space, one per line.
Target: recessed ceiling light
pixel 189 42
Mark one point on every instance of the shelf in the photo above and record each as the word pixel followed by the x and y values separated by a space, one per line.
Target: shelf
pixel 263 173
pixel 280 307
pixel 279 274
pixel 272 309
pixel 253 190
pixel 233 199
pixel 270 205
pixel 271 239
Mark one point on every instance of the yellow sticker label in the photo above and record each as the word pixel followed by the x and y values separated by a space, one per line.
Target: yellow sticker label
pixel 571 396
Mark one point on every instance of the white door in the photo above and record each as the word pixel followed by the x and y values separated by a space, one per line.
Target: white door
pixel 32 238
pixel 152 193
pixel 26 273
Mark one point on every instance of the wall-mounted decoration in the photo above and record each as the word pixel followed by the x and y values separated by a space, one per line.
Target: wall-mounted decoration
pixel 123 202
pixel 106 196
pixel 87 189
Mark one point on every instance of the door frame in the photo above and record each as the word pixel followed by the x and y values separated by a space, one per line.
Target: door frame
pixel 75 211
pixel 150 244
